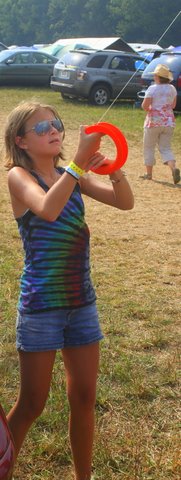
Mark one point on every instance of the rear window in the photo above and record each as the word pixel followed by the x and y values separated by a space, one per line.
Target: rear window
pixel 172 62
pixel 97 61
pixel 75 59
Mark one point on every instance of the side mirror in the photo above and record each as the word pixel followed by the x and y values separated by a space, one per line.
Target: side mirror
pixel 9 61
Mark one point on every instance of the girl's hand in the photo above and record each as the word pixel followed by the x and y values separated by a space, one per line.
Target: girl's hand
pixel 95 161
pixel 88 145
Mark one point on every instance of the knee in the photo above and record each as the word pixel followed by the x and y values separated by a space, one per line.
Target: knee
pixel 32 406
pixel 83 398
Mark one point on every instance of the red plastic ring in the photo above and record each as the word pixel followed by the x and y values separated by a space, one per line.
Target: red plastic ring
pixel 120 143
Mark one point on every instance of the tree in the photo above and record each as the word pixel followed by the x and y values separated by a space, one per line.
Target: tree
pixel 25 22
pixel 145 22
pixel 73 18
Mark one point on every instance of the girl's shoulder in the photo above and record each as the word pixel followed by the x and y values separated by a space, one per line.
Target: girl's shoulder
pixel 16 171
pixel 19 176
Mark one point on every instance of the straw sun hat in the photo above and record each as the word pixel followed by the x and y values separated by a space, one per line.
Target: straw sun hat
pixel 163 71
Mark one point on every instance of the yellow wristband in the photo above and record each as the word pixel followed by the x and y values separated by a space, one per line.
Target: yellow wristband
pixel 75 168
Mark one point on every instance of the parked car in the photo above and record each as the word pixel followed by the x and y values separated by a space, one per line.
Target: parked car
pixel 26 66
pixel 173 61
pixel 98 75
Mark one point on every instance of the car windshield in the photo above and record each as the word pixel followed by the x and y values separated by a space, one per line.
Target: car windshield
pixel 4 55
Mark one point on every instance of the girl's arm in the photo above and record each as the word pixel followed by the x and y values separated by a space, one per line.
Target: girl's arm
pixel 27 194
pixel 117 194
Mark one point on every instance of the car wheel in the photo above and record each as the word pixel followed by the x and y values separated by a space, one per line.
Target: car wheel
pixel 99 95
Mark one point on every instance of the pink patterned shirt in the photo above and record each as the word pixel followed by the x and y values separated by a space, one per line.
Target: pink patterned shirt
pixel 160 112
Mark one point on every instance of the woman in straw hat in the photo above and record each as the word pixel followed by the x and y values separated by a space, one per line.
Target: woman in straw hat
pixel 159 101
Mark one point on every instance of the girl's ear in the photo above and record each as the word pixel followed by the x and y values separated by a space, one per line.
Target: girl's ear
pixel 20 142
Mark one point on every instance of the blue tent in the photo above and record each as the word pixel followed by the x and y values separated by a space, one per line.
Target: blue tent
pixel 176 49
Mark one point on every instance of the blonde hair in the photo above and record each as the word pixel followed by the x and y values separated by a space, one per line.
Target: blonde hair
pixel 15 126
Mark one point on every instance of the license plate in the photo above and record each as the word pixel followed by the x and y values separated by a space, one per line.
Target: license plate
pixel 64 74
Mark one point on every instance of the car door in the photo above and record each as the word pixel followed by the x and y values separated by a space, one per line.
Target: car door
pixel 15 69
pixel 125 74
pixel 41 68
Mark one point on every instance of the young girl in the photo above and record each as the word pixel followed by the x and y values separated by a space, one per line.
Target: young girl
pixel 159 101
pixel 56 308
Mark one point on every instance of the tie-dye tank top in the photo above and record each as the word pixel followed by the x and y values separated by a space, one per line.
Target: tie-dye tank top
pixel 56 271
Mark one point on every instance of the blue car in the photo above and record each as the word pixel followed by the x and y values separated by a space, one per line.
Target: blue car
pixel 173 61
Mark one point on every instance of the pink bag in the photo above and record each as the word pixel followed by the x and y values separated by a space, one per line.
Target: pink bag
pixel 7 451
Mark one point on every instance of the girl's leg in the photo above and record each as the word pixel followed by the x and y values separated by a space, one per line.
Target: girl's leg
pixel 35 372
pixel 81 365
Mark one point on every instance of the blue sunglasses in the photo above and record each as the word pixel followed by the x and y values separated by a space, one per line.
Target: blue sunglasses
pixel 41 128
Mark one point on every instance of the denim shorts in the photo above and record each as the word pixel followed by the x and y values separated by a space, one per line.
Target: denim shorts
pixel 56 329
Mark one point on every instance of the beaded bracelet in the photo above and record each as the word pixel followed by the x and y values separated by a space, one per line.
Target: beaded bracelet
pixel 76 169
pixel 117 180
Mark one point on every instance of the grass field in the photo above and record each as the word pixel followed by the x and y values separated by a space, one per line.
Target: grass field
pixel 136 271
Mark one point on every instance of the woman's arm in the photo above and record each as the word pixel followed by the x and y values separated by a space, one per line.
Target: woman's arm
pixel 146 103
pixel 117 194
pixel 174 102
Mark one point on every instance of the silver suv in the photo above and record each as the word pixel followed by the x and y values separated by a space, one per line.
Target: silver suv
pixel 98 75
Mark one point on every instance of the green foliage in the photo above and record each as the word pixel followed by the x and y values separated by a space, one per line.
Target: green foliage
pixel 44 21
pixel 142 21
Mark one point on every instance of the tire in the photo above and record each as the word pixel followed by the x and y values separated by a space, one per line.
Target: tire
pixel 99 95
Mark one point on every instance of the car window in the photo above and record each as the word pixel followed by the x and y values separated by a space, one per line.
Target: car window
pixel 38 57
pixel 140 64
pixel 118 63
pixel 122 63
pixel 97 61
pixel 4 55
pixel 21 58
pixel 74 59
